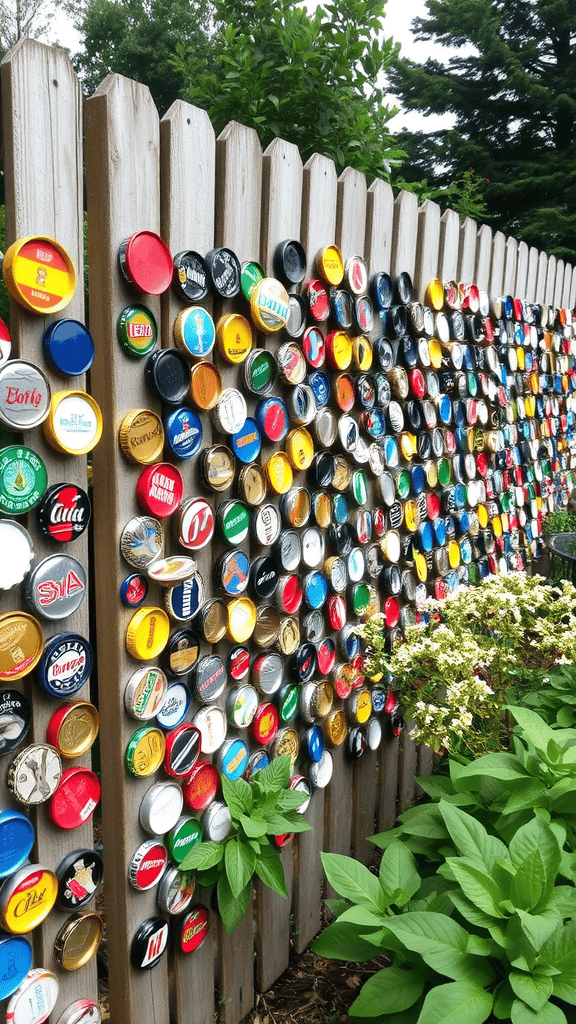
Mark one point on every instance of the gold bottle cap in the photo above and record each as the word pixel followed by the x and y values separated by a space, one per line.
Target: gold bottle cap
pixel 214 619
pixel 330 264
pixel 287 742
pixel 217 467
pixel 435 353
pixel 342 473
pixel 73 728
pixel 279 472
pixel 362 353
pixel 335 727
pixel 431 470
pixel 322 510
pixel 74 424
pixel 141 436
pixel 77 941
pixel 300 448
pixel 252 484
pixel 233 337
pixel 288 639
pixel 269 305
pixel 147 633
pixel 323 699
pixel 21 645
pixel 145 751
pixel 205 385
pixel 411 515
pixel 241 621
pixel 361 706
pixel 267 628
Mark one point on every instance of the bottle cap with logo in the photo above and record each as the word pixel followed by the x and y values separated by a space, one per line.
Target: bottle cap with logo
pixel 79 875
pixel 35 1000
pixel 23 480
pixel 74 423
pixel 194 930
pixel 73 728
pixel 15 962
pixel 77 941
pixel 26 898
pixel 160 808
pixel 147 865
pixel 24 395
pixel 74 801
pixel 149 943
pixel 176 891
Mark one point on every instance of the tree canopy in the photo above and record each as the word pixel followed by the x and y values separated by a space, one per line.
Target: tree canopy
pixel 511 87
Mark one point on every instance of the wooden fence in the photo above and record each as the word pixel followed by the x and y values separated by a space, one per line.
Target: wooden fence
pixel 174 177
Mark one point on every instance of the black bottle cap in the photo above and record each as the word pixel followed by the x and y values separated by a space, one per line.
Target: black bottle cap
pixel 79 875
pixel 167 375
pixel 225 271
pixel 191 279
pixel 264 576
pixel 181 652
pixel 149 943
pixel 290 261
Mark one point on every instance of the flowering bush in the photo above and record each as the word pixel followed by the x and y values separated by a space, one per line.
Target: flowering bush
pixel 453 674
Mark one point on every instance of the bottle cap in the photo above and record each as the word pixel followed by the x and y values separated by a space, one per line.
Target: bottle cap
pixel 252 484
pixel 225 271
pixel 272 418
pixel 172 569
pixel 267 626
pixel 79 875
pixel 259 372
pixel 291 363
pixel 214 620
pixel 83 1011
pixel 316 295
pixel 39 274
pixel 266 524
pixel 330 264
pixel 73 728
pixel 290 261
pixel 205 385
pixel 147 633
pixel 23 480
pixel 24 395
pixel 64 512
pixel 195 522
pixel 233 337
pixel 74 423
pixel 167 375
pixel 68 347
pixel 149 943
pixel 160 808
pixel 147 865
pixel 200 788
pixel 15 962
pixel 21 645
pixel 230 412
pixel 145 751
pixel 26 898
pixel 176 890
pixel 159 489
pixel 246 444
pixel 241 705
pixel 77 941
pixel 146 262
pixel 182 750
pixel 136 330
pixel 141 436
pixel 242 617
pixel 288 637
pixel 231 762
pixel 194 930
pixel 56 586
pixel 231 572
pixel 16 841
pixel 142 541
pixel 269 305
pixel 211 723
pixel 194 332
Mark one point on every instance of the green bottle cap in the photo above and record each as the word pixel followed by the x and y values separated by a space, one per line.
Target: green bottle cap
pixel 260 372
pixel 136 330
pixel 359 486
pixel 145 751
pixel 187 832
pixel 473 574
pixel 444 472
pixel 403 483
pixel 251 275
pixel 233 520
pixel 289 703
pixel 23 480
pixel 360 598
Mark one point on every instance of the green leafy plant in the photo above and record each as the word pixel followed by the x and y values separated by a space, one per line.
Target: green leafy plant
pixel 555 698
pixel 490 935
pixel 259 810
pixel 560 521
pixel 503 790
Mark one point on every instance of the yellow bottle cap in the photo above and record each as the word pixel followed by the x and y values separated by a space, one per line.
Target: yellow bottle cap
pixel 324 699
pixel 145 751
pixel 362 354
pixel 233 337
pixel 287 742
pixel 330 264
pixel 361 708
pixel 269 305
pixel 141 436
pixel 520 358
pixel 241 619
pixel 482 513
pixel 431 470
pixel 335 727
pixel 454 554
pixel 74 424
pixel 77 941
pixel 27 898
pixel 435 294
pixel 147 633
pixel 288 639
pixel 39 274
pixel 323 510
pixel 279 472
pixel 497 525
pixel 435 353
pixel 408 445
pixel 420 566
pixel 300 448
pixel 339 349
pixel 411 515
pixel 205 385
pixel 342 473
pixel 21 645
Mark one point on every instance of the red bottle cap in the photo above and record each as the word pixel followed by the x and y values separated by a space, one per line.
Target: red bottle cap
pixel 159 489
pixel 391 611
pixel 194 930
pixel 336 611
pixel 146 262
pixel 201 788
pixel 264 725
pixel 74 801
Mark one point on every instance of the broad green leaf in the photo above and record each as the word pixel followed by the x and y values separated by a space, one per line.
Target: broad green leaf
pixel 276 775
pixel 239 861
pixel 538 928
pixel 560 949
pixel 534 728
pixel 345 942
pixel 532 990
pixel 563 900
pixel 442 944
pixel 337 907
pixel 436 786
pixel 504 767
pixel 238 796
pixel 290 799
pixel 291 821
pixel 270 870
pixel 469 911
pixel 503 999
pixel 205 855
pixel 424 820
pixel 388 991
pixel 460 1002
pixel 398 874
pixel 232 909
pixel 481 945
pixel 365 916
pixel 564 987
pixel 477 886
pixel 549 1014
pixel 383 839
pixel 470 837
pixel 525 795
pixel 527 885
pixel 537 836
pixel 253 827
pixel 352 880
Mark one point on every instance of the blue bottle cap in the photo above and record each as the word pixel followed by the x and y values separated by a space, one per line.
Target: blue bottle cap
pixel 133 590
pixel 445 409
pixel 315 745
pixel 340 508
pixel 425 537
pixel 256 762
pixel 174 706
pixel 418 479
pixel 461 523
pixel 68 347
pixel 15 962
pixel 459 411
pixel 246 444
pixel 232 570
pixel 315 588
pixel 467 358
pixel 183 431
pixel 439 527
pixel 185 599
pixel 233 759
pixel 460 493
pixel 16 841
pixel 381 291
pixel 321 386
pixel 466 550
pixel 390 451
pixel 65 665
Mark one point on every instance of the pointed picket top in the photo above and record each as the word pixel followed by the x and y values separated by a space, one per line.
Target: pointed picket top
pixel 550 280
pixel 351 212
pixel 238 190
pixel 497 265
pixel 448 248
pixel 521 271
pixel 405 233
pixel 510 264
pixel 532 274
pixel 572 300
pixel 566 286
pixel 483 258
pixel 467 251
pixel 558 284
pixel 427 246
pixel 379 226
pixel 282 176
pixel 319 201
pixel 541 278
pixel 188 173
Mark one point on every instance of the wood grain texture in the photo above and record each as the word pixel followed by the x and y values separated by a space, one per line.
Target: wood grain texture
pixel 550 280
pixel 559 284
pixel 541 278
pixel 448 249
pixel 407 762
pixel 319 200
pixel 565 302
pixel 43 157
pixel 309 875
pixel 351 212
pixel 521 271
pixel 379 226
pixel 236 981
pixel 365 805
pixel 497 264
pixel 483 257
pixel 510 264
pixel 467 251
pixel 282 175
pixel 238 190
pixel 272 918
pixel 405 233
pixel 427 248
pixel 123 194
pixel 532 274
pixel 388 761
pixel 188 153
